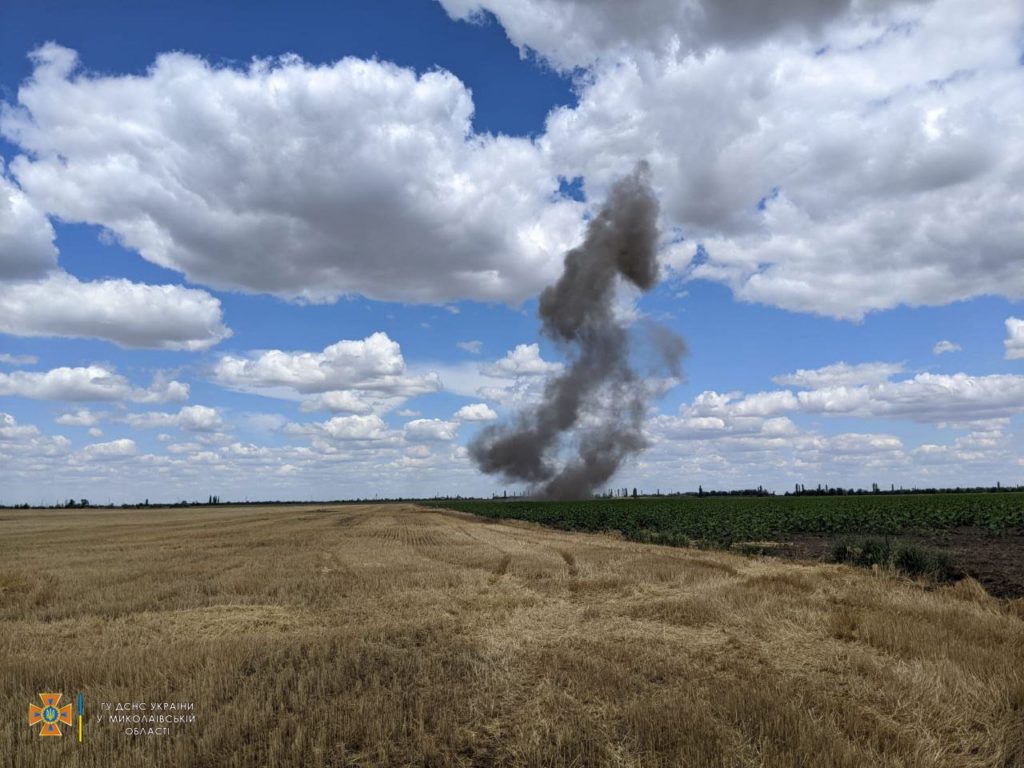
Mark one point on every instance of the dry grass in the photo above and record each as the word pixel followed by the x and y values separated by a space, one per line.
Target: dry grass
pixel 387 635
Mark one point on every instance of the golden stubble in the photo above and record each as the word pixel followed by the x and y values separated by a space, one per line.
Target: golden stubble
pixel 392 635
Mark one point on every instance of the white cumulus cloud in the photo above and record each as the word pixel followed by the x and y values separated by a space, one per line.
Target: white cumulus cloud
pixel 38 299
pixel 370 427
pixel 26 235
pixel 93 382
pixel 575 33
pixel 112 451
pixel 126 313
pixel 21 443
pixel 191 418
pixel 956 400
pixel 7 359
pixel 371 365
pixel 1014 342
pixel 840 374
pixel 927 397
pixel 83 417
pixel 475 412
pixel 305 181
pixel 346 401
pixel 880 167
pixel 431 430
pixel 524 360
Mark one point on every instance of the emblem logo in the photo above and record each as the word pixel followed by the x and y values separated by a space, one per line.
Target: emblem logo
pixel 50 715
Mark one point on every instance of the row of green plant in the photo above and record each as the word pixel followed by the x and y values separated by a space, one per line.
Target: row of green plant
pixel 723 520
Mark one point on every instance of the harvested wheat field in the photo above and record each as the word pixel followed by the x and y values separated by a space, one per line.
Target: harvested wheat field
pixel 391 635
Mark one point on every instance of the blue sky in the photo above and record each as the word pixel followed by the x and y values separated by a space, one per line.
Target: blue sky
pixel 352 208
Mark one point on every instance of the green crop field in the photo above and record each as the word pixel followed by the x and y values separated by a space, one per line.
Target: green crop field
pixel 722 520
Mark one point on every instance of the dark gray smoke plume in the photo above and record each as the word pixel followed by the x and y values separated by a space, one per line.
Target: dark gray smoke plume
pixel 599 392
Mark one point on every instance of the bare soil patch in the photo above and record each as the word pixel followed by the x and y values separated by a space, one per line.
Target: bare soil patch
pixel 994 559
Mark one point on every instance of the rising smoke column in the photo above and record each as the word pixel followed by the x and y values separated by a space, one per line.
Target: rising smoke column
pixel 599 385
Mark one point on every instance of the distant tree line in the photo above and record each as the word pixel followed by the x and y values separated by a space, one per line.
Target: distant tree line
pixel 799 489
